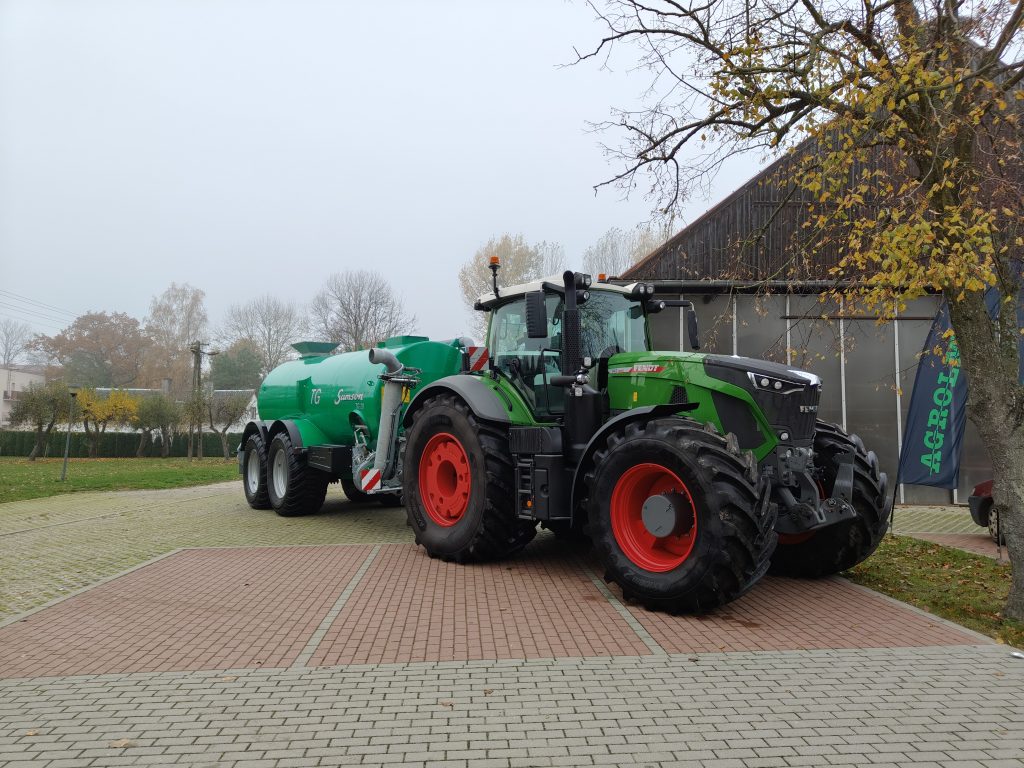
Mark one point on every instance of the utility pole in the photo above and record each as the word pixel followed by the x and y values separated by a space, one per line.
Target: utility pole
pixel 197 396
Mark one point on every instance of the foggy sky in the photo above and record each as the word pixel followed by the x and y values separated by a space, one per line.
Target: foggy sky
pixel 253 146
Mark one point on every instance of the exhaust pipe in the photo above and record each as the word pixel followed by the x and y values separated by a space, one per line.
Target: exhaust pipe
pixel 391 402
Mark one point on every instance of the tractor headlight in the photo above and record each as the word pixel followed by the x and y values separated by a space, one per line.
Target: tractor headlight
pixel 774 384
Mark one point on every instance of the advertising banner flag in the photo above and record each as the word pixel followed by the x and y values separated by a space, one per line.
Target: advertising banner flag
pixel 938 411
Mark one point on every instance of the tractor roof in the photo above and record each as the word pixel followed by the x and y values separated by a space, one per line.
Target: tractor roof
pixel 550 283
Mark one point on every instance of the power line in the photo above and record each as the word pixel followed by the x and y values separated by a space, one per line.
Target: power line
pixel 43 305
pixel 34 313
pixel 33 321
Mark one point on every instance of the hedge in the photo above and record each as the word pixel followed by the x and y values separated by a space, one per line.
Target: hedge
pixel 112 444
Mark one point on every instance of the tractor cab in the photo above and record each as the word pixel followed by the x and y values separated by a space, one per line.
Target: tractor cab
pixel 526 336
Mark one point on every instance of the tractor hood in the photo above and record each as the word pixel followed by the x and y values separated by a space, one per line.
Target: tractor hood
pixel 758 400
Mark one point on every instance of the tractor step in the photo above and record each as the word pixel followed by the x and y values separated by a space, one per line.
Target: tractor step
pixel 524 488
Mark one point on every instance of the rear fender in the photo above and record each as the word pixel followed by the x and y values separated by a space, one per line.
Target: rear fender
pixel 471 390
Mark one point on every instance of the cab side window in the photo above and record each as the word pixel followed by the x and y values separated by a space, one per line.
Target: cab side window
pixel 529 363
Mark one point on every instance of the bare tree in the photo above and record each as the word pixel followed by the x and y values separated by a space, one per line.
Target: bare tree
pixel 14 337
pixel 906 123
pixel 357 309
pixel 520 263
pixel 177 317
pixel 225 409
pixel 617 250
pixel 268 324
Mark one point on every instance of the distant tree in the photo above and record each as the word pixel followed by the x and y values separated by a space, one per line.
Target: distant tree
pixel 224 410
pixel 41 406
pixel 14 338
pixel 618 250
pixel 520 263
pixel 358 308
pixel 97 412
pixel 177 317
pixel 268 324
pixel 97 350
pixel 193 413
pixel 155 413
pixel 238 367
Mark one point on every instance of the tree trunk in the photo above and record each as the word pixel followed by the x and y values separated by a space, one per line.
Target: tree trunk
pixel 38 447
pixel 140 452
pixel 996 407
pixel 165 443
pixel 224 444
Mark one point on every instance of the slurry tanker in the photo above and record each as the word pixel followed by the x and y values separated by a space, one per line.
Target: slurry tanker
pixel 692 474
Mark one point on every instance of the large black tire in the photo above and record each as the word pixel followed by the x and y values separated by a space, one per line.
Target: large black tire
pixel 728 547
pixel 294 488
pixel 357 496
pixel 839 547
pixel 254 473
pixel 459 479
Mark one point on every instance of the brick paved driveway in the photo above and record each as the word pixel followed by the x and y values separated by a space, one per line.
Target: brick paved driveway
pixel 383 656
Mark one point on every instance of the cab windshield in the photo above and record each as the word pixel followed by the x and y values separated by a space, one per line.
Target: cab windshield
pixel 611 323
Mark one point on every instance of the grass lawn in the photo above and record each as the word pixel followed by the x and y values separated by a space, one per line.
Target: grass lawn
pixel 962 587
pixel 24 479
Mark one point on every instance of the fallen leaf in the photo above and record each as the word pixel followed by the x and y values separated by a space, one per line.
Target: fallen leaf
pixel 122 743
pixel 447 703
pixel 33 732
pixel 229 678
pixel 488 691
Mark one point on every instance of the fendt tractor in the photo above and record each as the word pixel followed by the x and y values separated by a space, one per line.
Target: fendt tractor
pixel 692 474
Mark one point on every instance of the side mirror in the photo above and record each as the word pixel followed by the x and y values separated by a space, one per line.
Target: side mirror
pixel 691 327
pixel 536 315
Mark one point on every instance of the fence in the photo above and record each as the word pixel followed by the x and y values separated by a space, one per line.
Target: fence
pixel 112 444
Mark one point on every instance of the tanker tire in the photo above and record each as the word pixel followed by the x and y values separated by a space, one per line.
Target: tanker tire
pixel 840 547
pixel 254 482
pixel 734 520
pixel 488 528
pixel 293 487
pixel 357 496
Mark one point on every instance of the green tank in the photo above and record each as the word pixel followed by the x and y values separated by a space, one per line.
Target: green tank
pixel 328 396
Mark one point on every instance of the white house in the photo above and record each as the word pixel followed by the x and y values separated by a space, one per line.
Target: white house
pixel 16 380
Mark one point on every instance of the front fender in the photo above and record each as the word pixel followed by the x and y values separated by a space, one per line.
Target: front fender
pixel 644 413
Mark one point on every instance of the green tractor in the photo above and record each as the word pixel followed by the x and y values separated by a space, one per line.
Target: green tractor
pixel 691 474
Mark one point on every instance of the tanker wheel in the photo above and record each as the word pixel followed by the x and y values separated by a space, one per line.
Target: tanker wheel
pixel 254 473
pixel 839 547
pixel 679 516
pixel 459 485
pixel 293 487
pixel 357 496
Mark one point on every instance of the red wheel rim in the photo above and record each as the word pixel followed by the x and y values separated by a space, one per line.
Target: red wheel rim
pixel 445 480
pixel 652 553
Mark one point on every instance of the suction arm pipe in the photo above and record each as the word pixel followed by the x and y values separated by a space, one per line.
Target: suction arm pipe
pixel 388 359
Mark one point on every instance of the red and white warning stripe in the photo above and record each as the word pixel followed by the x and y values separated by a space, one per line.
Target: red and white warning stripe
pixel 369 479
pixel 478 358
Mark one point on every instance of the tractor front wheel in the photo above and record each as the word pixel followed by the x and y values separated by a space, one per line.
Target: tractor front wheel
pixel 293 487
pixel 680 518
pixel 458 485
pixel 841 546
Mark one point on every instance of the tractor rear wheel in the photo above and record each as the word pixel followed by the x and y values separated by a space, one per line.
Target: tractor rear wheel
pixel 254 473
pixel 294 487
pixel 839 547
pixel 459 485
pixel 680 517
